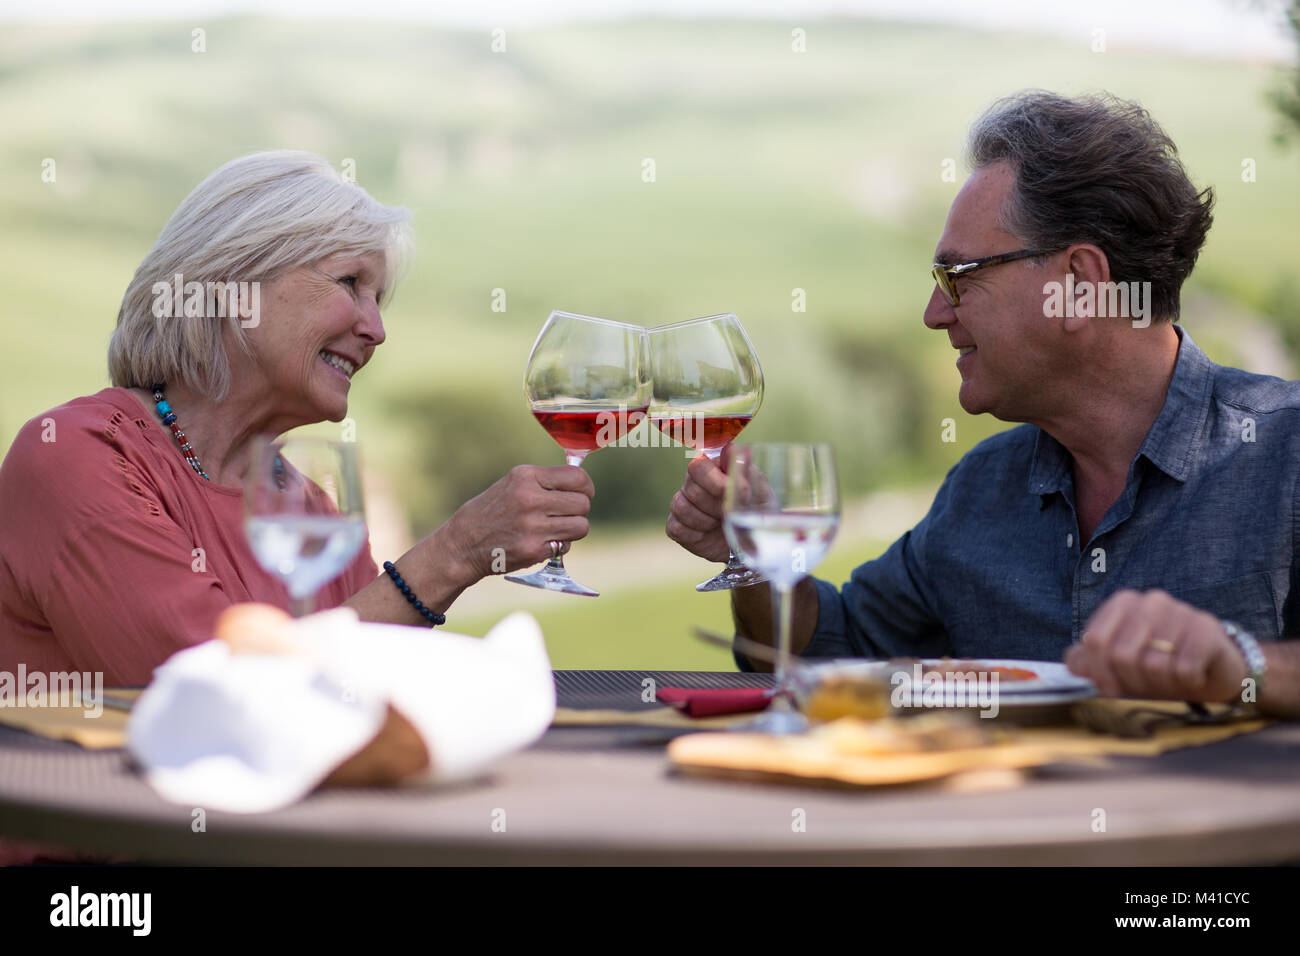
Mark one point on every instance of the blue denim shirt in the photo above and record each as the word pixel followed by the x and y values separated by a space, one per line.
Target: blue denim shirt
pixel 996 568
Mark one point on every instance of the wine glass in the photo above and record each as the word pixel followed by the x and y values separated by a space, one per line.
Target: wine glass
pixel 303 512
pixel 707 387
pixel 588 384
pixel 780 513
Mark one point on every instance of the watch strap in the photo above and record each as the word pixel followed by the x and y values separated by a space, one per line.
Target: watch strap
pixel 1256 662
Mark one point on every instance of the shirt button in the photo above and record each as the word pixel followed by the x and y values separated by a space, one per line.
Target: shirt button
pixel 1069 541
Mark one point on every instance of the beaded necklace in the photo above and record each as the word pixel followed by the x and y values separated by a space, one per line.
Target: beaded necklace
pixel 169 419
pixel 278 469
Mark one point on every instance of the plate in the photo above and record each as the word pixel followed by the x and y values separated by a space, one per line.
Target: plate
pixel 1052 680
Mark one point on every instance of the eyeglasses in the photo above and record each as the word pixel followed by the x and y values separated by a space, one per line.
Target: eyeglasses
pixel 946 276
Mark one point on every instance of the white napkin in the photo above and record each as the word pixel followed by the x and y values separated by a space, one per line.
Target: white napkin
pixel 248 733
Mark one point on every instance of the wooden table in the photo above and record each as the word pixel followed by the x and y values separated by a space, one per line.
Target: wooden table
pixel 604 795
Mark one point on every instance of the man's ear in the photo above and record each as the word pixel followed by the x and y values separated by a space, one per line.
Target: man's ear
pixel 1090 268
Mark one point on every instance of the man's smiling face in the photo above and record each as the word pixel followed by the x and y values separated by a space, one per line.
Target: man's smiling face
pixel 1009 350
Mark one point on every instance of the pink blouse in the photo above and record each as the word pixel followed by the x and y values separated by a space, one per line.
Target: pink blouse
pixel 114 553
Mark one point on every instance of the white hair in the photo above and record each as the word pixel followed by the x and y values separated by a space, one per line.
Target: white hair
pixel 251 220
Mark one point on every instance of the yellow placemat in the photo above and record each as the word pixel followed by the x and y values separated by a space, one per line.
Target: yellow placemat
pixel 869 753
pixel 108 730
pixel 1076 740
pixel 1067 739
pixel 809 759
pixel 69 721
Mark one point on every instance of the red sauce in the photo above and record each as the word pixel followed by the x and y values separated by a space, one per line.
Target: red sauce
pixel 1004 673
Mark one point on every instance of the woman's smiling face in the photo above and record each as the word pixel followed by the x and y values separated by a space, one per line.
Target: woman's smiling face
pixel 319 325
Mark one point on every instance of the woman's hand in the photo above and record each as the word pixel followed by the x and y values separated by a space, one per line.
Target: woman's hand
pixel 511 525
pixel 695 517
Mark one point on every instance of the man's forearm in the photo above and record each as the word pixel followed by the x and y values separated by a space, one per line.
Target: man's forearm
pixel 751 612
pixel 1281 694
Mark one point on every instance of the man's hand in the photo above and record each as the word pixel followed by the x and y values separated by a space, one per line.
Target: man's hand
pixel 1150 645
pixel 695 517
pixel 511 525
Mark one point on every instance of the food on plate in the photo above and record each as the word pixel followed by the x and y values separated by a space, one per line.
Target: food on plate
pixel 951 665
pixel 860 753
pixel 865 696
pixel 945 730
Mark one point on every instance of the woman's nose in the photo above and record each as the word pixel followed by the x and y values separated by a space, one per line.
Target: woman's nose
pixel 370 325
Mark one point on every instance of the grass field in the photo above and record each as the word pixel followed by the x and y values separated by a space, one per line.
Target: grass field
pixel 640 627
pixel 774 171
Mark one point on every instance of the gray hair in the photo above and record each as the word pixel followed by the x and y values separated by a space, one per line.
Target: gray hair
pixel 251 220
pixel 1098 169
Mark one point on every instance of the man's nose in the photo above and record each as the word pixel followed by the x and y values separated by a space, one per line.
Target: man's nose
pixel 939 313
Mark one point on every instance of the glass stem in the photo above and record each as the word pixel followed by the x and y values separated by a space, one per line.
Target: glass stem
pixel 781 620
pixel 733 560
pixel 556 563
pixel 302 606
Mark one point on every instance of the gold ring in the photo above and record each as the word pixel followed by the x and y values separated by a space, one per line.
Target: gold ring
pixel 1164 647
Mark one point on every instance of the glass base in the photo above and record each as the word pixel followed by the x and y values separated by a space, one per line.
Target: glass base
pixel 734 575
pixel 777 722
pixel 552 577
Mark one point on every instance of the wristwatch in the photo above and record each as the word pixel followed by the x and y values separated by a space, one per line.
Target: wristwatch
pixel 1256 662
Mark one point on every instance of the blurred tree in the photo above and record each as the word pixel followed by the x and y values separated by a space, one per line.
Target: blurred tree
pixel 1287 98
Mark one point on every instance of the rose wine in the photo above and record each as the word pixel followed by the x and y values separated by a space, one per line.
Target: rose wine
pixel 707 433
pixel 584 430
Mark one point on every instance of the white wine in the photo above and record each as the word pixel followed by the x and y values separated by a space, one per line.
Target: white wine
pixel 784 545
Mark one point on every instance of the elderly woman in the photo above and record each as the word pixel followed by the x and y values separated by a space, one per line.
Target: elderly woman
pixel 107 497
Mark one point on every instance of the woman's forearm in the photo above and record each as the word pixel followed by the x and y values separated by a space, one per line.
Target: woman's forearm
pixel 435 574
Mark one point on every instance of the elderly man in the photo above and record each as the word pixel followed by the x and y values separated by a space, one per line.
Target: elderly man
pixel 1142 523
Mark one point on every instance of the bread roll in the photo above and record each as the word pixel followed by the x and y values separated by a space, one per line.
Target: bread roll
pixel 256 629
pixel 394 754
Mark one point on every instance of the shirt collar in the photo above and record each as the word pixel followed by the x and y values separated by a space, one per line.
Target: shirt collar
pixel 1173 438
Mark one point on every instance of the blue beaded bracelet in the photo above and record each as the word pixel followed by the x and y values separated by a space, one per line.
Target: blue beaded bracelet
pixel 433 617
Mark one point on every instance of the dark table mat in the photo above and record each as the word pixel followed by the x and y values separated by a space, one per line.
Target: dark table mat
pixel 624 690
pixel 574 689
pixel 580 689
